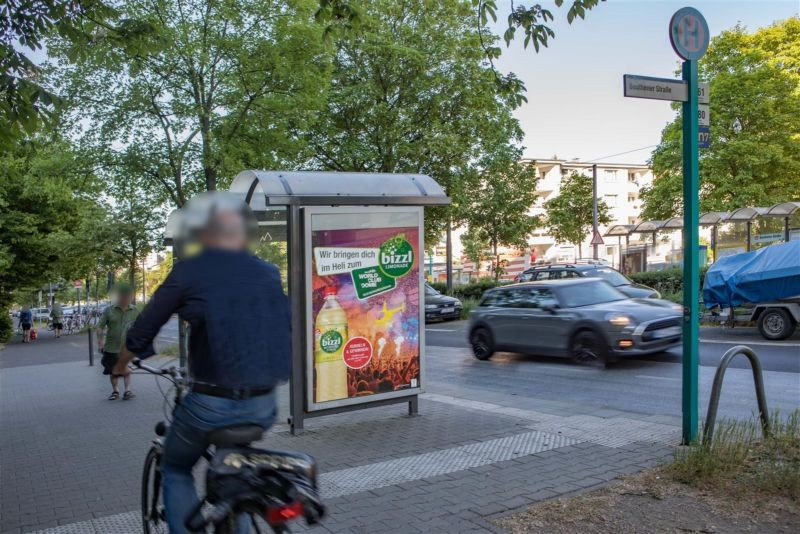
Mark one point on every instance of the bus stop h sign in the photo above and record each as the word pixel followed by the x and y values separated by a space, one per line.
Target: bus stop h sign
pixel 689 33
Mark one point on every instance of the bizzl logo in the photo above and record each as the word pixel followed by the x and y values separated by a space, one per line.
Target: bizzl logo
pixel 396 256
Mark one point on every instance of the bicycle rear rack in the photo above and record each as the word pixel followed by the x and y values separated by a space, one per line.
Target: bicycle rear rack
pixel 713 403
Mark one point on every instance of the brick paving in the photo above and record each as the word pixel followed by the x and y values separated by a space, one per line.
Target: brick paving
pixel 70 461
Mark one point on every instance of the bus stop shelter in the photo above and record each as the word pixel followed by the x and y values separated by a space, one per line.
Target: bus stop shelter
pixel 353 246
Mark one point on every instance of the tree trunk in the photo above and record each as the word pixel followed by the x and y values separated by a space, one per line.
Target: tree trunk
pixel 580 251
pixel 132 276
pixel 209 171
pixel 496 261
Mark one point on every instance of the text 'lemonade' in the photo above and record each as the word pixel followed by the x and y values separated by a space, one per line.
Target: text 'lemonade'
pixel 330 336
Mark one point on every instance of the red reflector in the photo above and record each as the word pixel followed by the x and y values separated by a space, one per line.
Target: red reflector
pixel 284 513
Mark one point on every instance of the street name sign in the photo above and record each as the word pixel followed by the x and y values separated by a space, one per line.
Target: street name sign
pixel 703 115
pixel 655 88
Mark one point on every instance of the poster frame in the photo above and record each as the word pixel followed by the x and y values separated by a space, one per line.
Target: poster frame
pixel 308 348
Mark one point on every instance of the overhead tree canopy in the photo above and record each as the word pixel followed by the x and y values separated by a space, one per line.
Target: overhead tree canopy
pixel 754 158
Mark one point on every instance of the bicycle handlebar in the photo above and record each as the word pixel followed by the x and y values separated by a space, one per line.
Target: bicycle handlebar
pixel 172 371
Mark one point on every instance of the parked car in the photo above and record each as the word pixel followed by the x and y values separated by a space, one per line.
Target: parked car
pixel 592 269
pixel 41 314
pixel 585 318
pixel 441 307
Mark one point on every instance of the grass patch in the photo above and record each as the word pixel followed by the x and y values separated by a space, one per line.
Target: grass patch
pixel 169 350
pixel 469 305
pixel 740 461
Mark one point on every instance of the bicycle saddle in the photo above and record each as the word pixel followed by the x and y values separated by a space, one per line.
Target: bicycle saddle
pixel 240 435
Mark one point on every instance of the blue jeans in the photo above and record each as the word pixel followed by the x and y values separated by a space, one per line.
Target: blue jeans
pixel 196 416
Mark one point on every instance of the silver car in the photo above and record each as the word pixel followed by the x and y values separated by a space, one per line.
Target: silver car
pixel 585 318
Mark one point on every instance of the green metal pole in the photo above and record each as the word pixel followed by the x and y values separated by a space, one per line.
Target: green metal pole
pixel 691 267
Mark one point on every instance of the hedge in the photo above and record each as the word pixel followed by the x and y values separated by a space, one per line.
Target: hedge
pixel 473 290
pixel 666 281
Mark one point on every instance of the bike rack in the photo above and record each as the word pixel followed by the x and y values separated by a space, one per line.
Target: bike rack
pixel 758 379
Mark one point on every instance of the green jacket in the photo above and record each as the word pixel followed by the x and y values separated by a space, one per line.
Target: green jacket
pixel 116 321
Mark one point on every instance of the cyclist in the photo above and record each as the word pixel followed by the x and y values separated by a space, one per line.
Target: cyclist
pixel 234 364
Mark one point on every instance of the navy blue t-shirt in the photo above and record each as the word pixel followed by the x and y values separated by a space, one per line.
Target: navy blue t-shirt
pixel 238 316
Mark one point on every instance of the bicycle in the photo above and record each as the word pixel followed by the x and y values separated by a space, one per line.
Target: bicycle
pixel 276 486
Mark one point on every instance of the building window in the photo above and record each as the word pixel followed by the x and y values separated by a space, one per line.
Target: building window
pixel 631 197
pixel 610 250
pixel 632 177
pixel 610 176
pixel 611 200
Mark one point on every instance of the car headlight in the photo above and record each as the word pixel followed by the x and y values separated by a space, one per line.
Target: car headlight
pixel 677 308
pixel 618 319
pixel 431 306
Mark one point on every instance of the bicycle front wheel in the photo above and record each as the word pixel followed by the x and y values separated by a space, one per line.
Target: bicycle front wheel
pixel 154 520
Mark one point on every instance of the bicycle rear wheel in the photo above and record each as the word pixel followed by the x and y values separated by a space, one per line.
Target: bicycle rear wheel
pixel 154 520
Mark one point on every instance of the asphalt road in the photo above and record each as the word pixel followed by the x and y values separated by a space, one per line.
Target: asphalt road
pixel 781 356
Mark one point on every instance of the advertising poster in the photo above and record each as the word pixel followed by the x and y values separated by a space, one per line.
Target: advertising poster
pixel 365 299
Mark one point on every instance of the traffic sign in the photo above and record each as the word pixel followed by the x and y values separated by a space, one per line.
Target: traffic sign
pixel 597 239
pixel 703 115
pixel 688 33
pixel 703 137
pixel 77 283
pixel 703 93
pixel 655 88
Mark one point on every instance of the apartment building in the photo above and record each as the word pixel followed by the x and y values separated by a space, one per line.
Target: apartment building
pixel 618 184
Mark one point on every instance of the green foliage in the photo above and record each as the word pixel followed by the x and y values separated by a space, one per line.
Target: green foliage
pixel 667 282
pixel 213 86
pixel 472 291
pixel 569 215
pixel 468 306
pixel 26 103
pixel 410 93
pixel 755 85
pixel 499 205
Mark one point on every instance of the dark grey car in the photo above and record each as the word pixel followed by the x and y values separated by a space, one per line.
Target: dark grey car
pixel 585 318
pixel 588 269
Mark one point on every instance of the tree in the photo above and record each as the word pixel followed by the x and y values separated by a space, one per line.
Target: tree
pixel 533 21
pixel 754 158
pixel 570 214
pixel 25 102
pixel 500 205
pixel 214 87
pixel 411 92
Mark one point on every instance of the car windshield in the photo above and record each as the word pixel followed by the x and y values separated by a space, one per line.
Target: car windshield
pixel 587 294
pixel 615 278
pixel 430 292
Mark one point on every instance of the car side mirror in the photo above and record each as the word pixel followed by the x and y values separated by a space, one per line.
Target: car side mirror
pixel 549 308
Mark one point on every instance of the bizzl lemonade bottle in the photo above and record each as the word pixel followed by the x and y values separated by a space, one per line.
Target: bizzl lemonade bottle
pixel 330 335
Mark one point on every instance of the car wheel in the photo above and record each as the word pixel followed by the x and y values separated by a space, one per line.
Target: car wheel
pixel 775 323
pixel 588 347
pixel 482 343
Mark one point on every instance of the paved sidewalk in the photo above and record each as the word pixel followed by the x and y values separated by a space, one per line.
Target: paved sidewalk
pixel 72 461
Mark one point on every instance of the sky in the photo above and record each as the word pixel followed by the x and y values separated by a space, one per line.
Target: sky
pixel 575 104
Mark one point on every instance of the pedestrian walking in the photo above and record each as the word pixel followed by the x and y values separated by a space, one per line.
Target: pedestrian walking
pixel 26 323
pixel 111 330
pixel 57 316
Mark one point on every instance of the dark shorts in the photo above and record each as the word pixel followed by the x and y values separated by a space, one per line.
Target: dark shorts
pixel 26 326
pixel 58 326
pixel 109 361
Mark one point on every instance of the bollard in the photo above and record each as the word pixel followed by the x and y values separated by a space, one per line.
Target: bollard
pixel 91 346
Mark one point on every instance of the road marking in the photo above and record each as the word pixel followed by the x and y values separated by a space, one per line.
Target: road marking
pixel 439 330
pixel 671 379
pixel 758 343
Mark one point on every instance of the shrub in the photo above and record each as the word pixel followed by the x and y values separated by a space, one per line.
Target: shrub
pixel 6 326
pixel 666 282
pixel 471 291
pixel 469 305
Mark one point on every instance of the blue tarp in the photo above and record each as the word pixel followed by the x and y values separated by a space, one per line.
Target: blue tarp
pixel 763 275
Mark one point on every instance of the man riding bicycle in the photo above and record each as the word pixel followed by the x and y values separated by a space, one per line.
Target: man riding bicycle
pixel 238 347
